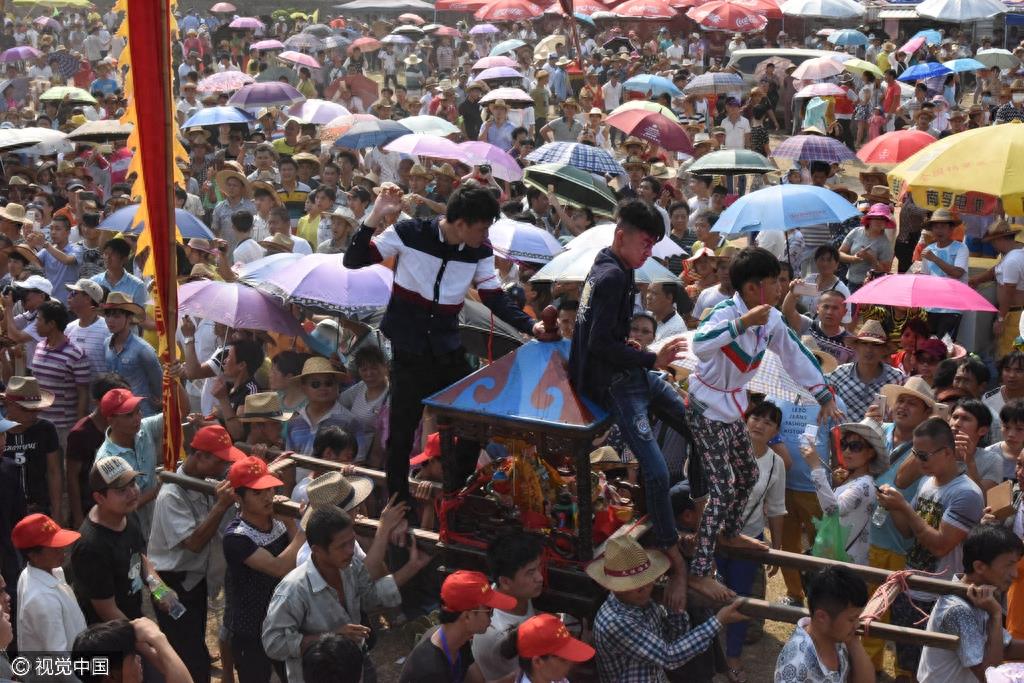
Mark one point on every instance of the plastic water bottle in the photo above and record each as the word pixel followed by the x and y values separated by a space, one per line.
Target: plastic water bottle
pixel 162 593
pixel 880 516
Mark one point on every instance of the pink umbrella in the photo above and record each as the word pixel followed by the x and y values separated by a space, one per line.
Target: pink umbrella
pixel 270 44
pixel 225 81
pixel 237 306
pixel 335 128
pixel 921 291
pixel 251 23
pixel 448 32
pixel 366 44
pixel 426 145
pixel 653 126
pixel 820 90
pixel 645 9
pixel 912 45
pixel 503 166
pixel 817 69
pixel 411 19
pixel 498 73
pixel 317 111
pixel 894 147
pixel 493 62
pixel 508 10
pixel 507 94
pixel 298 58
pixel 223 8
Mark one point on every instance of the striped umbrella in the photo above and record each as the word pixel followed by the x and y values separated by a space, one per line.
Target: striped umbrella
pixel 578 155
pixel 715 83
pixel 813 148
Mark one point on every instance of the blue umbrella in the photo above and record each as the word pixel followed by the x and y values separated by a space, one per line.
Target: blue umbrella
pixel 578 155
pixel 848 36
pixel 507 46
pixel 652 85
pixel 371 134
pixel 213 116
pixel 964 64
pixel 931 36
pixel 122 220
pixel 584 19
pixel 782 207
pixel 919 72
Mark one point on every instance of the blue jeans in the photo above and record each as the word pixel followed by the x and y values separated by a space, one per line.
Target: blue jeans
pixel 632 395
pixel 739 576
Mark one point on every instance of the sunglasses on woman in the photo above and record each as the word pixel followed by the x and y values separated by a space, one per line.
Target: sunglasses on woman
pixel 852 446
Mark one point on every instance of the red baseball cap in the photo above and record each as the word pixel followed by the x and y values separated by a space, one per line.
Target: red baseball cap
pixel 465 590
pixel 215 439
pixel 38 530
pixel 432 450
pixel 118 402
pixel 252 473
pixel 545 634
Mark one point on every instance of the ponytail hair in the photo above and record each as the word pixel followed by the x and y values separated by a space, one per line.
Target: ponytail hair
pixel 509 648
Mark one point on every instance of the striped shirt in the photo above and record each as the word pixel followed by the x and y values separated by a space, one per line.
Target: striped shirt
pixel 61 370
pixel 92 340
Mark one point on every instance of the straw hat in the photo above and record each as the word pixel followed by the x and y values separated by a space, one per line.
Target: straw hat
pixel 317 365
pixel 222 177
pixel 826 360
pixel 202 271
pixel 845 192
pixel 334 490
pixel 306 157
pixel 278 243
pixel 914 386
pixel 497 104
pixel 879 194
pixel 28 254
pixel 14 212
pixel 412 60
pixel 264 406
pixel 662 172
pixel 943 216
pixel 871 431
pixel 418 171
pixel 1000 229
pixel 26 393
pixel 871 332
pixel 635 161
pixel 446 170
pixel 626 566
pixel 266 187
pixel 563 61
pixel 119 301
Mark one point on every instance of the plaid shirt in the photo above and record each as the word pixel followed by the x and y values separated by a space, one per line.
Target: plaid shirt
pixel 855 393
pixel 637 644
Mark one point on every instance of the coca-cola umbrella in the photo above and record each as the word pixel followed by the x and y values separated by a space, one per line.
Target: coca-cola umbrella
pixel 467 6
pixel 769 8
pixel 725 15
pixel 655 127
pixel 507 10
pixel 584 7
pixel 645 9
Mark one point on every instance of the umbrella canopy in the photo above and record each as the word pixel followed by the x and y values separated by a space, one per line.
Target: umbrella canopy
pixel 507 10
pixel 298 58
pixel 920 72
pixel 251 23
pixel 491 62
pixel 410 18
pixel 19 54
pixel 223 8
pixel 275 72
pixel 920 291
pixel 731 162
pixel 823 9
pixel 469 6
pixel 322 283
pixel 429 125
pixel 930 35
pixel 396 39
pixel 523 241
pixel 366 89
pixel 68 94
pixel 269 44
pixel 601 236
pixel 646 105
pixel 214 116
pixel 448 32
pixel 848 36
pixel 960 11
pixel 726 15
pixel 410 31
pixel 365 44
pixel 985 160
pixel 271 94
pixel 782 207
pixel 813 148
pixel 859 66
pixel 35 140
pixel 371 133
pixel 425 145
pixel 963 64
pixel 47 22
pixel 894 147
pixel 820 90
pixel 503 166
pixel 507 46
pixel 652 126
pixel 319 30
pixel 256 271
pixel 1004 59
pixel 645 9
pixel 817 69
pixel 497 73
pixel 303 41
pixel 484 30
pixel 124 220
pixel 585 157
pixel 317 111
pixel 572 186
pixel 510 95
pixel 913 45
pixel 715 83
pixel 574 266
pixel 236 305
pixel 652 85
pixel 101 131
pixel 334 129
pixel 225 81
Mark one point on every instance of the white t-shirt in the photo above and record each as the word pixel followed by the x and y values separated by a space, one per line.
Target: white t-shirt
pixel 612 95
pixel 486 646
pixel 1010 269
pixel 92 340
pixel 768 497
pixel 709 298
pixel 247 252
pixel 735 133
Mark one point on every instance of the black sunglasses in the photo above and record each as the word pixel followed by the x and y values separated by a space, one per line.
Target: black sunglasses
pixel 924 455
pixel 853 446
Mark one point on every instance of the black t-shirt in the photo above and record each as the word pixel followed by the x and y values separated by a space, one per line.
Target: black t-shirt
pixel 84 439
pixel 27 452
pixel 427 663
pixel 247 592
pixel 472 120
pixel 108 564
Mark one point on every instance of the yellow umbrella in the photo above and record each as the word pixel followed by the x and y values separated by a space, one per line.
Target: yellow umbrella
pixel 859 66
pixel 983 161
pixel 547 45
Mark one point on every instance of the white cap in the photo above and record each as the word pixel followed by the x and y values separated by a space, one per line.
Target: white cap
pixel 37 282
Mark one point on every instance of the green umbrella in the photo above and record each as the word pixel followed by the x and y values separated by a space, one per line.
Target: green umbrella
pixel 59 92
pixel 731 162
pixel 572 186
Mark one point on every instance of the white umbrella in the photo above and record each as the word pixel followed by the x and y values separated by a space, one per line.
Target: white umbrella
pixel 575 265
pixel 997 56
pixel 960 11
pixel 523 241
pixel 823 9
pixel 818 68
pixel 35 141
pixel 601 236
pixel 317 111
pixel 429 125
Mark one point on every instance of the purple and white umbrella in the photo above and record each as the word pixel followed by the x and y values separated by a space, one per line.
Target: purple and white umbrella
pixel 813 148
pixel 498 72
pixel 503 166
pixel 236 305
pixel 425 145
pixel 20 54
pixel 251 23
pixel 303 41
pixel 322 283
pixel 270 94
pixel 317 111
pixel 484 30
pixel 47 22
pixel 585 157
pixel 396 39
pixel 523 241
pixel 225 81
pixel 820 90
pixel 270 44
pixel 299 58
pixel 492 62
pixel 507 94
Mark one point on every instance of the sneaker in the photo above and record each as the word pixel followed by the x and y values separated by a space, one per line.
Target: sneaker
pixel 790 601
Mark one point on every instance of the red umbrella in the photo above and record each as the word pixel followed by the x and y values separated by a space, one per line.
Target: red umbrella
pixel 586 7
pixel 769 8
pixel 362 87
pixel 686 4
pixel 507 10
pixel 459 5
pixel 653 126
pixel 366 44
pixel 337 23
pixel 448 32
pixel 895 147
pixel 646 9
pixel 725 15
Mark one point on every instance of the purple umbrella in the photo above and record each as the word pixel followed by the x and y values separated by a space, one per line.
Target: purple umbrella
pixel 47 22
pixel 502 164
pixel 321 282
pixel 813 148
pixel 484 29
pixel 270 94
pixel 247 23
pixel 270 44
pixel 237 306
pixel 67 64
pixel 20 54
pixel 425 145
pixel 497 72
